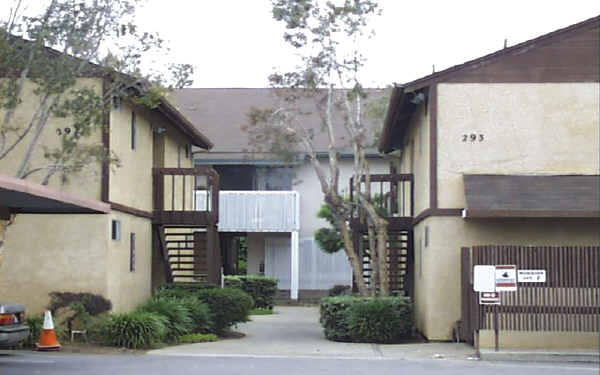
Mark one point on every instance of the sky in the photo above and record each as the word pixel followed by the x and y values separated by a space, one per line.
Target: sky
pixel 236 43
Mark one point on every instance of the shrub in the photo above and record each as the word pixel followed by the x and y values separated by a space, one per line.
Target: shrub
pixel 93 304
pixel 262 289
pixel 385 320
pixel 339 290
pixel 35 323
pixel 181 290
pixel 356 319
pixel 138 329
pixel 178 321
pixel 228 306
pixel 334 317
pixel 199 313
pixel 192 338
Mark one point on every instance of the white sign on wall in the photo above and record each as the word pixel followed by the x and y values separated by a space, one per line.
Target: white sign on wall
pixel 484 278
pixel 531 276
pixel 506 278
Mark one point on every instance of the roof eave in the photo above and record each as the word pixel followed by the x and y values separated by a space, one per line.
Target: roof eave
pixel 198 139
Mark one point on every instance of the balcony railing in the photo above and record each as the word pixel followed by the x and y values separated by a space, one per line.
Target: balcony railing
pixel 256 211
pixel 392 194
pixel 175 196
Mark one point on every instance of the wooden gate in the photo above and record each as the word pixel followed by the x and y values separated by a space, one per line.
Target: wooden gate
pixel 569 300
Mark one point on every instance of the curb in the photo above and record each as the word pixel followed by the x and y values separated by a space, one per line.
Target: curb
pixel 541 356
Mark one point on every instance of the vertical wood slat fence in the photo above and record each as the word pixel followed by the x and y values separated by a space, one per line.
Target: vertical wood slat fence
pixel 569 300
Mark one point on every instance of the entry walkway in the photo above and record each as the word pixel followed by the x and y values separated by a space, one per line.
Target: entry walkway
pixel 296 332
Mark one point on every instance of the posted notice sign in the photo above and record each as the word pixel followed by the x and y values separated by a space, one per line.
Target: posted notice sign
pixel 489 298
pixel 531 276
pixel 506 278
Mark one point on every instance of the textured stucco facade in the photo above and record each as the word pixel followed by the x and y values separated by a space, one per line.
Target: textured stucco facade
pixel 85 184
pixel 519 129
pixel 77 252
pixel 541 128
pixel 46 253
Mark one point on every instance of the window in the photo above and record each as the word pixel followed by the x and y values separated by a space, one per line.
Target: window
pixel 116 230
pixel 426 236
pixel 178 156
pixel 132 252
pixel 132 130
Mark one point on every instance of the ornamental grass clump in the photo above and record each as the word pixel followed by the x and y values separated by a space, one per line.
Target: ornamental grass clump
pixel 178 320
pixel 138 329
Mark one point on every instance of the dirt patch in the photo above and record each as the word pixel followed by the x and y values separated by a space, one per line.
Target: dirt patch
pixel 85 348
pixel 232 335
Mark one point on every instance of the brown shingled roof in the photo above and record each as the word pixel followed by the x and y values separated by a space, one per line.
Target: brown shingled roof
pixel 222 112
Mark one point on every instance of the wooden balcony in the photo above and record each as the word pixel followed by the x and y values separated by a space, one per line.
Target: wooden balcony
pixel 393 196
pixel 175 196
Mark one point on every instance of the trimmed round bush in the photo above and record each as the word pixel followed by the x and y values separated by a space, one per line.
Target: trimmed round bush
pixel 358 319
pixel 178 321
pixel 228 306
pixel 383 320
pixel 334 317
pixel 262 289
pixel 133 330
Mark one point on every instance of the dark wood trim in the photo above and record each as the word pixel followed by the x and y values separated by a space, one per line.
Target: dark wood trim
pixel 130 210
pixel 470 213
pixel 106 145
pixel 433 203
pixel 463 72
pixel 436 212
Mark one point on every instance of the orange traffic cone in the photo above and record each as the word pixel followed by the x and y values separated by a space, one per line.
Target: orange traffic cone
pixel 48 340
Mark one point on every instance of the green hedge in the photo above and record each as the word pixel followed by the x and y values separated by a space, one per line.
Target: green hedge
pixel 228 306
pixel 383 320
pixel 182 290
pixel 261 288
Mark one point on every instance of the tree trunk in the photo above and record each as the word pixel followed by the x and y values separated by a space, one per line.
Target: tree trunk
pixel 353 258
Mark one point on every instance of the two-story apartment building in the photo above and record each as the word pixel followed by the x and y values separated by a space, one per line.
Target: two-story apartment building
pixel 503 150
pixel 116 252
pixel 271 201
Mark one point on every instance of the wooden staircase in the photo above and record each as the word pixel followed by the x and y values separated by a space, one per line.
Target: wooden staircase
pixel 185 216
pixel 190 254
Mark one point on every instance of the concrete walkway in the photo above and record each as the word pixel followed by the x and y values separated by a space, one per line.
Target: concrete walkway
pixel 295 332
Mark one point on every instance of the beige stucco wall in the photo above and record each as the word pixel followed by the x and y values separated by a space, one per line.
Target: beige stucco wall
pixel 307 185
pixel 540 340
pixel 127 289
pixel 131 184
pixel 549 128
pixel 46 253
pixel 416 147
pixel 85 184
pixel 437 266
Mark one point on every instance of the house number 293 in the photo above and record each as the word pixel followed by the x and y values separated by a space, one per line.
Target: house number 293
pixel 473 137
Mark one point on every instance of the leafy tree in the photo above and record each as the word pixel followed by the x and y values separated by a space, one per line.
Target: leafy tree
pixel 42 61
pixel 326 35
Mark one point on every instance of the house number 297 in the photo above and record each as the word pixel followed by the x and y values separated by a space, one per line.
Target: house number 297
pixel 473 137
